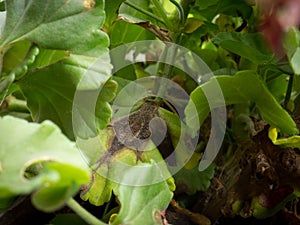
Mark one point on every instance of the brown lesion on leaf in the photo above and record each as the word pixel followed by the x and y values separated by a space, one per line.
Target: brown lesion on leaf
pixel 136 138
pixel 138 123
pixel 89 4
pixel 157 217
pixel 177 215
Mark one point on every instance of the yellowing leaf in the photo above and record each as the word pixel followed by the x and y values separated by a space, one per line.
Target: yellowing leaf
pixel 273 133
pixel 292 142
pixel 194 160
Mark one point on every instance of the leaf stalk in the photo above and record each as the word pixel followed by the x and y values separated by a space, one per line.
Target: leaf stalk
pixel 163 14
pixel 289 91
pixel 143 11
pixel 84 214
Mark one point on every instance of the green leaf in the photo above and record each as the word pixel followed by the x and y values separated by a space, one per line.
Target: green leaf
pixel 142 204
pixel 157 12
pixel 291 41
pixel 192 180
pixel 2 21
pixel 65 25
pixel 278 86
pixel 209 57
pixel 48 57
pixel 179 134
pixel 210 9
pixel 291 44
pixel 90 118
pixel 111 13
pixel 297 84
pixel 51 87
pixel 21 69
pixel 205 4
pixel 50 93
pixel 154 155
pixel 15 55
pixel 244 87
pixel 5 84
pixel 124 32
pixel 53 197
pixel 173 123
pixel 24 144
pixel 248 45
pixel 295 61
pixel 2 6
pixel 133 15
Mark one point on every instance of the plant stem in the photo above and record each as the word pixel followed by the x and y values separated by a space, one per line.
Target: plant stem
pixel 289 90
pixel 1 63
pixel 84 214
pixel 165 68
pixel 163 14
pixel 186 5
pixel 141 10
pixel 181 13
pixel 17 105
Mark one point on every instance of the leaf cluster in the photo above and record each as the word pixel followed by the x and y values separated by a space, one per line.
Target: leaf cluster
pixel 55 60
